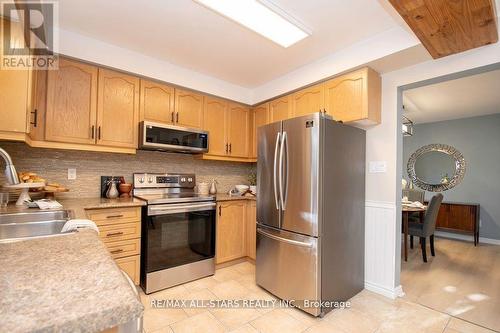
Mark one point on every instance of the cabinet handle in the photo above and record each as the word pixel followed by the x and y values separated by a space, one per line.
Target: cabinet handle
pixel 172 117
pixel 35 118
pixel 116 251
pixel 92 131
pixel 99 133
pixel 230 149
pixel 114 216
pixel 177 117
pixel 227 148
pixel 111 234
pixel 220 210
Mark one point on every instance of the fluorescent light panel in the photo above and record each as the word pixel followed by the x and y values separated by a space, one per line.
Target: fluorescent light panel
pixel 255 16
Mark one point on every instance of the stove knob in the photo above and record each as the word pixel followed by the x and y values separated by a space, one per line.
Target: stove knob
pixel 190 179
pixel 183 180
pixel 150 180
pixel 141 180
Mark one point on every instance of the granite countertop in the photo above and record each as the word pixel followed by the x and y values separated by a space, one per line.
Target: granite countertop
pixel 78 205
pixel 66 283
pixel 227 197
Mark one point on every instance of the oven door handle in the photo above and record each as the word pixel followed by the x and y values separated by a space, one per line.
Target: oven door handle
pixel 179 208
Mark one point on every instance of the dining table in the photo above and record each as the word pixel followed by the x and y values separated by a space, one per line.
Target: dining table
pixel 407 210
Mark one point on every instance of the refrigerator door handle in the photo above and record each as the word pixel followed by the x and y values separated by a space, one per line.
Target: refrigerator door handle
pixel 278 138
pixel 280 177
pixel 284 240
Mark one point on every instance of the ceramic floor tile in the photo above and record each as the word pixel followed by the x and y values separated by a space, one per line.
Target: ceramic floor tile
pixel 226 274
pixel 277 321
pixel 200 284
pixel 229 290
pixel 352 320
pixel 462 326
pixel 163 330
pixel 244 268
pixel 247 328
pixel 203 322
pixel 199 295
pixel 234 318
pixel 160 318
pixel 326 327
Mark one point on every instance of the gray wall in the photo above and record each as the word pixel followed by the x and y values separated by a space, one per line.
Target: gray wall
pixel 478 139
pixel 53 164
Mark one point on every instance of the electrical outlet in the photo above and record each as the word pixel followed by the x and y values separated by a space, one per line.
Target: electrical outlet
pixel 71 174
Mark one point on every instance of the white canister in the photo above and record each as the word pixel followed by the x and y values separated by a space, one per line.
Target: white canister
pixel 203 188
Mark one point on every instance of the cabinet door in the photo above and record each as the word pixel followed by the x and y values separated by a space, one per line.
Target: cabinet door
pixel 251 229
pixel 214 121
pixel 157 102
pixel 280 109
pixel 131 266
pixel 230 243
pixel 117 109
pixel 309 100
pixel 14 86
pixel 71 103
pixel 238 130
pixel 260 117
pixel 354 96
pixel 188 108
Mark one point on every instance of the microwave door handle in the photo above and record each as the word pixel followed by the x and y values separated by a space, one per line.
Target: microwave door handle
pixel 280 177
pixel 275 166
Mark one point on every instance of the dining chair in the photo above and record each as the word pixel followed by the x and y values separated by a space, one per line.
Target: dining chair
pixel 426 229
pixel 414 195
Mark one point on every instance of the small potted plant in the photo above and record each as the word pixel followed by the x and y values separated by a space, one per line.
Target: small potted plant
pixel 252 179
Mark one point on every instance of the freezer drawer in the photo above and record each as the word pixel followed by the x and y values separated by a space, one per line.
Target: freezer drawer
pixel 287 266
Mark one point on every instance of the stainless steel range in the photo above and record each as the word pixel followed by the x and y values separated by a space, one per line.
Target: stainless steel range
pixel 178 230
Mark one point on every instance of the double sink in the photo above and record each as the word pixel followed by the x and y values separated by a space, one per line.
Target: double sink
pixel 28 225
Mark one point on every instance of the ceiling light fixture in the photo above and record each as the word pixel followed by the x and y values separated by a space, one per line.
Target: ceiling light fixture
pixel 261 16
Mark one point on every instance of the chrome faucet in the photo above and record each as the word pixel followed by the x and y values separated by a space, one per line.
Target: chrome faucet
pixel 10 169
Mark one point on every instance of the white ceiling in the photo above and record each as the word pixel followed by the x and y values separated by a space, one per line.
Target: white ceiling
pixel 189 35
pixel 470 96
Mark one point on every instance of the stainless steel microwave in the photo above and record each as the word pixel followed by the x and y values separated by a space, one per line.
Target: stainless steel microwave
pixel 157 136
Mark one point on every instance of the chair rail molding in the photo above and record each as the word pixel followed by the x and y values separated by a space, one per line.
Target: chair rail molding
pixel 380 237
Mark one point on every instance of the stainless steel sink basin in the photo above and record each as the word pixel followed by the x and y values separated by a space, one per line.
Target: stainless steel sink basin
pixel 19 226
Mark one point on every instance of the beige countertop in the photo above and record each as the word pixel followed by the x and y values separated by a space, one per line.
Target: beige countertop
pixel 227 197
pixel 65 283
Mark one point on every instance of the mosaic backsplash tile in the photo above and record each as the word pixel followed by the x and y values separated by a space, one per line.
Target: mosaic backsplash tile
pixel 53 165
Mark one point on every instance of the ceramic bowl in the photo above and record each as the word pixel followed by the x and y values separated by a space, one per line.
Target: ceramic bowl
pixel 242 188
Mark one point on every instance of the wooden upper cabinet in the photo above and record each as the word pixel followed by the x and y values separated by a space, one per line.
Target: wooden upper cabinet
pixel 230 242
pixel 308 100
pixel 214 121
pixel 238 130
pixel 157 102
pixel 354 97
pixel 71 103
pixel 188 108
pixel 260 117
pixel 117 109
pixel 14 88
pixel 280 109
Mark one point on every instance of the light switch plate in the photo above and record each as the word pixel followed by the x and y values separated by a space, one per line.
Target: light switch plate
pixel 377 167
pixel 71 174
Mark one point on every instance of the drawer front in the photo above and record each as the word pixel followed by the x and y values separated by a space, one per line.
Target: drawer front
pixel 111 216
pixel 124 248
pixel 117 232
pixel 131 266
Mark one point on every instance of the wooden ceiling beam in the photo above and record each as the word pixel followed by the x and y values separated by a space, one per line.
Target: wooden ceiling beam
pixel 447 27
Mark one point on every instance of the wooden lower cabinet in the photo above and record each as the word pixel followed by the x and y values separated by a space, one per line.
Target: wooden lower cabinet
pixel 230 242
pixel 120 230
pixel 251 236
pixel 236 230
pixel 131 266
pixel 459 217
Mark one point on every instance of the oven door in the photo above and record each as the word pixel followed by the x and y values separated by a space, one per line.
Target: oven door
pixel 178 234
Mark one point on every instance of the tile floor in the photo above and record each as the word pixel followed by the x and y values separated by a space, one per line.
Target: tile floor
pixel 461 280
pixel 369 312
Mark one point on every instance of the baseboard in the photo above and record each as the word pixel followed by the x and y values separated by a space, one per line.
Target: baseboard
pixel 384 291
pixel 467 238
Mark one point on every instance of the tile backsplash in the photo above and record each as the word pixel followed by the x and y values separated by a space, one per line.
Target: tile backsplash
pixel 53 165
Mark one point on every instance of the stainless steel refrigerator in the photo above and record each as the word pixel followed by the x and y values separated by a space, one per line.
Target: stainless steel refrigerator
pixel 311 211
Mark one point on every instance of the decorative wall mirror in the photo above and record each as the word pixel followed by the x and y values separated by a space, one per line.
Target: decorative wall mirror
pixel 436 167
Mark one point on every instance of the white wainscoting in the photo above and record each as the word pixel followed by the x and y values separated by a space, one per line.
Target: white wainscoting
pixel 380 248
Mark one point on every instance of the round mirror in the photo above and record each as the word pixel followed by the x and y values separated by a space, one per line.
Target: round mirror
pixel 436 167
